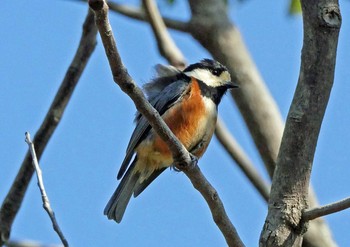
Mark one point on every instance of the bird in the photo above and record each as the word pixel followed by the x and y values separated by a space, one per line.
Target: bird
pixel 188 103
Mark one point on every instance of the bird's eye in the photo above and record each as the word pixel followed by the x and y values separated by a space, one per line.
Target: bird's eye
pixel 216 72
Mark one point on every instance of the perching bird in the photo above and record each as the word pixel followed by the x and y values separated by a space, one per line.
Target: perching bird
pixel 187 101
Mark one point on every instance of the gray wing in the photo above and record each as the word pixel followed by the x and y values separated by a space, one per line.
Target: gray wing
pixel 166 75
pixel 161 102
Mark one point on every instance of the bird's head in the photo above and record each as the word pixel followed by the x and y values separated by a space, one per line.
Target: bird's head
pixel 212 73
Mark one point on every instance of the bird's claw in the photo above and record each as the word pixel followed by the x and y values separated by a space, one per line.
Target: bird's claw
pixel 194 160
pixel 178 166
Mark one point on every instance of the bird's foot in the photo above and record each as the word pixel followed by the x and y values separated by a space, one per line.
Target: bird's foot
pixel 179 166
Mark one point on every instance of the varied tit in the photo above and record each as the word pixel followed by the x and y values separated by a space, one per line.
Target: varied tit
pixel 187 101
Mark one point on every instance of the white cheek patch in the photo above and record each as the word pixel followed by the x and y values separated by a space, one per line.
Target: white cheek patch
pixel 208 78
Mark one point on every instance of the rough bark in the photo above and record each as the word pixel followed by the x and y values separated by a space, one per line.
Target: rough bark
pixel 211 26
pixel 289 191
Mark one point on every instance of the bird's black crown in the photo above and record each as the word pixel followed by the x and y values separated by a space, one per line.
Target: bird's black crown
pixel 213 66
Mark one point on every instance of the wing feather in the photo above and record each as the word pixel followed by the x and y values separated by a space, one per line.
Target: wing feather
pixel 161 101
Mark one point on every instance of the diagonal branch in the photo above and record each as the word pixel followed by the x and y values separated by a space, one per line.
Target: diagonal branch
pixel 242 160
pixel 14 198
pixel 166 45
pixel 216 206
pixel 212 198
pixel 313 213
pixel 182 158
pixel 44 197
pixel 127 84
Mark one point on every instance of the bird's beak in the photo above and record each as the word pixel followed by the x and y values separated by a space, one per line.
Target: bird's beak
pixel 231 84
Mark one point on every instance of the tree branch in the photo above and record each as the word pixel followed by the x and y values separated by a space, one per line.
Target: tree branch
pixel 289 191
pixel 216 206
pixel 181 156
pixel 208 191
pixel 242 160
pixel 44 197
pixel 14 198
pixel 313 213
pixel 166 45
pixel 127 84
pixel 210 25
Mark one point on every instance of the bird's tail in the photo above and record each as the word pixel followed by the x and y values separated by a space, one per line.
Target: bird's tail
pixel 117 204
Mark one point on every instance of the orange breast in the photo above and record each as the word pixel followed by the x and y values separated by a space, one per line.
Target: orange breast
pixel 183 120
pixel 192 121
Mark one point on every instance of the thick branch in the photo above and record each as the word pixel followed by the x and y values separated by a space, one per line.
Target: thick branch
pixel 15 196
pixel 290 183
pixel 181 157
pixel 313 213
pixel 166 45
pixel 211 26
pixel 44 197
pixel 242 160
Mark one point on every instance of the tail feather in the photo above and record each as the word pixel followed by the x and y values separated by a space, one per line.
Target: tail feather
pixel 117 204
pixel 130 184
pixel 139 187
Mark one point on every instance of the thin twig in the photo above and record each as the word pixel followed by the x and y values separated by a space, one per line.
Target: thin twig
pixel 313 213
pixel 44 197
pixel 14 198
pixel 237 154
pixel 166 45
pixel 180 154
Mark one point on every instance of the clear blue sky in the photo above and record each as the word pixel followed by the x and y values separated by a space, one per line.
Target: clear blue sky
pixel 80 163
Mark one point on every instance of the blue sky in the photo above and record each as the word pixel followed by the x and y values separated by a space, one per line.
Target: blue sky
pixel 80 163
